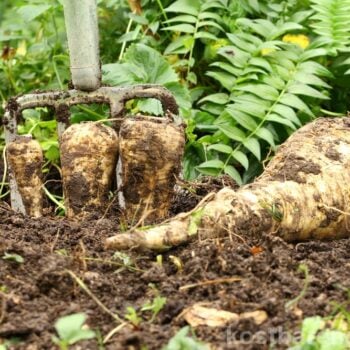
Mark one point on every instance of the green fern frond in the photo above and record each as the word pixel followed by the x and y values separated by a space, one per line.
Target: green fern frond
pixel 196 20
pixel 332 22
pixel 268 84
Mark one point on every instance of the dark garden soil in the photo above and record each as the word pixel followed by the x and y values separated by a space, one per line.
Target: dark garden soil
pixel 36 292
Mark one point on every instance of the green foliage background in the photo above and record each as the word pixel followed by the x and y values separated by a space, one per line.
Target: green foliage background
pixel 246 74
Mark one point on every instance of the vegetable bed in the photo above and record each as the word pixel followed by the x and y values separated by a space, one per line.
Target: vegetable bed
pixel 44 259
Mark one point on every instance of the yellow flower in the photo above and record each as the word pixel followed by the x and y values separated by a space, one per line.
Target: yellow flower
pixel 267 50
pixel 297 39
pixel 22 48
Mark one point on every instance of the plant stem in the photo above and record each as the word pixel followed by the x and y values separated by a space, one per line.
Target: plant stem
pixel 53 199
pixel 5 171
pixel 162 9
pixel 124 43
pixel 57 73
pixel 83 286
pixel 89 111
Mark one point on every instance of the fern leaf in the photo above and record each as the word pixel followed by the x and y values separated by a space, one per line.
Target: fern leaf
pixel 332 22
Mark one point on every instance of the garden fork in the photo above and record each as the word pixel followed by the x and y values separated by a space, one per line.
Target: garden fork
pixel 24 155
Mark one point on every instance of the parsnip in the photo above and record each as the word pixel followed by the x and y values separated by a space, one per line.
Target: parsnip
pixel 304 193
pixel 88 157
pixel 150 155
pixel 25 159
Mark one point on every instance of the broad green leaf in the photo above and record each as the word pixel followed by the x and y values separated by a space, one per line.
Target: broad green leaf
pixel 263 91
pixel 259 26
pixel 254 109
pixel 333 339
pixel 310 79
pixel 311 67
pixel 280 120
pixel 241 118
pixel 184 28
pixel 310 327
pixel 287 112
pixel 305 56
pixel 179 45
pixel 215 163
pixel 211 4
pixel 211 167
pixel 130 36
pixel 150 106
pixel 190 7
pixel 305 90
pixel 220 148
pixel 284 28
pixel 260 62
pixel 275 81
pixel 242 44
pixel 205 35
pixel 210 24
pixel 142 64
pixel 295 102
pixel 232 132
pixel 253 145
pixel 231 171
pixel 247 98
pixel 225 79
pixel 138 19
pixel 219 98
pixel 70 329
pixel 52 154
pixel 30 12
pixel 241 158
pixel 182 19
pixel 266 135
pixel 210 15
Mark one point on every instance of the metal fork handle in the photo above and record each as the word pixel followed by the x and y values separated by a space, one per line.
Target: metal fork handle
pixel 82 33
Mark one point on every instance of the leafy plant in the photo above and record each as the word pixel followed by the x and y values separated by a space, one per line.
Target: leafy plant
pixel 142 64
pixel 182 341
pixel 198 20
pixel 13 257
pixel 132 316
pixel 71 330
pixel 246 73
pixel 315 335
pixel 155 306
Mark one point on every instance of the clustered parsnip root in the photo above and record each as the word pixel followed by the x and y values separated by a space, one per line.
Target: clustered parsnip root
pixel 88 157
pixel 151 151
pixel 25 159
pixel 304 193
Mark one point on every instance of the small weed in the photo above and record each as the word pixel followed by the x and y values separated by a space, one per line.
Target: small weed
pixel 13 257
pixel 125 261
pixel 132 316
pixel 315 336
pixel 71 330
pixel 304 269
pixel 155 306
pixel 182 341
pixel 62 252
pixel 9 343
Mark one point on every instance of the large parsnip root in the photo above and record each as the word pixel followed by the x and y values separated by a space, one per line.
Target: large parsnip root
pixel 88 157
pixel 25 159
pixel 304 193
pixel 150 154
